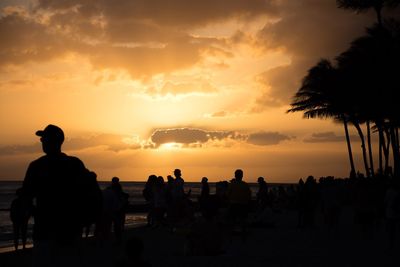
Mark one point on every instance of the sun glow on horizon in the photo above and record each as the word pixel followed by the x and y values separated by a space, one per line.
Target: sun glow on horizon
pixel 171 146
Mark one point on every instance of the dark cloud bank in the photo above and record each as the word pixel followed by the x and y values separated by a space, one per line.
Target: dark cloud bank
pixel 188 137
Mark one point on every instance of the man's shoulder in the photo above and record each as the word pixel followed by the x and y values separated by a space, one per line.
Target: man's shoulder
pixel 63 156
pixel 73 158
pixel 62 159
pixel 39 161
pixel 244 184
pixel 74 161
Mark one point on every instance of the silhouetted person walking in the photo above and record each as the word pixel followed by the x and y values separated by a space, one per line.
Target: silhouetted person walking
pixel 204 198
pixel 20 212
pixel 148 194
pixel 180 210
pixel 239 197
pixel 93 207
pixel 58 183
pixel 178 189
pixel 262 194
pixel 160 201
pixel 120 214
pixel 309 202
pixel 205 188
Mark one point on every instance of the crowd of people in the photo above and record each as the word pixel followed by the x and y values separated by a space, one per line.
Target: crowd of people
pixel 171 206
pixel 65 199
pixel 167 200
pixel 374 203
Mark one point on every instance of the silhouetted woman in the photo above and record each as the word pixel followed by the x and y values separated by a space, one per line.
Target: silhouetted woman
pixel 148 194
pixel 92 209
pixel 20 212
pixel 204 194
pixel 160 201
pixel 205 188
pixel 262 194
pixel 120 214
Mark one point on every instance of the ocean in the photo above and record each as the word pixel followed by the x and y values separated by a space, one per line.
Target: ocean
pixel 134 189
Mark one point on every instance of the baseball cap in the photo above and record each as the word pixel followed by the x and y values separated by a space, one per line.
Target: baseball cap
pixel 52 132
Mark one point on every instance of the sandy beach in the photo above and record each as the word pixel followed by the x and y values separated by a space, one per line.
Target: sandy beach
pixel 282 245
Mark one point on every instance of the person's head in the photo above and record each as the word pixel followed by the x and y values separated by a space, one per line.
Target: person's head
pixel 115 185
pixel 160 180
pixel 204 180
pixel 52 137
pixel 152 178
pixel 115 180
pixel 238 174
pixel 177 173
pixel 310 179
pixel 260 180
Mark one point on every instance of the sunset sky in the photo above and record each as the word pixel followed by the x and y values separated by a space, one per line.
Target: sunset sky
pixel 147 86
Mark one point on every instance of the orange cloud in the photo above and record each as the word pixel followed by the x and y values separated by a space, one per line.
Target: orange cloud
pixel 24 39
pixel 306 31
pixel 173 13
pixel 110 142
pixel 326 137
pixel 267 138
pixel 143 37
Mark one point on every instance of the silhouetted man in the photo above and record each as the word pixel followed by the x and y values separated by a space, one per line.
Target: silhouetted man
pixel 239 197
pixel 179 191
pixel 57 183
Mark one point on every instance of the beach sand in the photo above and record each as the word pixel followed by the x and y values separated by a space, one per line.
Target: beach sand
pixel 283 245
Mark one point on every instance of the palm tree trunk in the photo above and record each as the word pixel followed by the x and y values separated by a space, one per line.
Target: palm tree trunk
pixel 395 152
pixel 381 145
pixel 364 151
pixel 397 138
pixel 346 130
pixel 371 160
pixel 378 11
pixel 387 151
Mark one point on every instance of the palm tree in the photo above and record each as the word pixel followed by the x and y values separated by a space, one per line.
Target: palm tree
pixel 362 89
pixel 364 5
pixel 318 98
pixel 371 65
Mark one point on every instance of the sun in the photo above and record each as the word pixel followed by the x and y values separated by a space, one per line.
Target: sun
pixel 171 146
